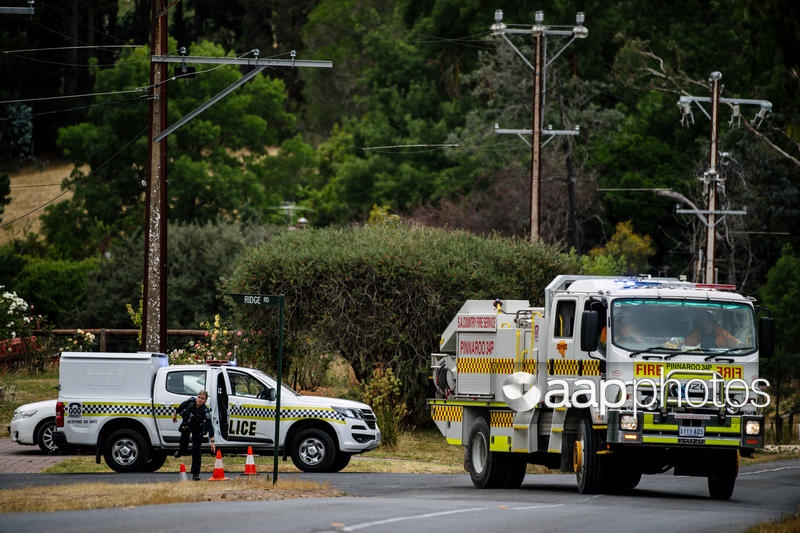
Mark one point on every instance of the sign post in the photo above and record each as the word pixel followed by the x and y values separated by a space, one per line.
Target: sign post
pixel 270 301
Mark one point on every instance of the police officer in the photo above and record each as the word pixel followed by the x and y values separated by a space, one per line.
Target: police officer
pixel 196 421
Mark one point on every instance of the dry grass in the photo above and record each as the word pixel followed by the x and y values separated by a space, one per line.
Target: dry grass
pixel 31 189
pixel 108 495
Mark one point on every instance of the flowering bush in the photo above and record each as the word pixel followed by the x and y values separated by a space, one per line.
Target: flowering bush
pixel 15 320
pixel 83 341
pixel 219 344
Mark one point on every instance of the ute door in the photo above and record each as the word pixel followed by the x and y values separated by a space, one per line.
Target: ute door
pixel 179 385
pixel 251 410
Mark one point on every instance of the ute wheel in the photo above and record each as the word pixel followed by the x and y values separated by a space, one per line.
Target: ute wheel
pixel 587 464
pixel 341 461
pixel 44 436
pixel 125 451
pixel 313 451
pixel 156 461
pixel 487 470
pixel 722 477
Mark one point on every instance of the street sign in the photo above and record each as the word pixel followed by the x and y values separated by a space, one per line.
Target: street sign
pixel 258 299
pixel 270 301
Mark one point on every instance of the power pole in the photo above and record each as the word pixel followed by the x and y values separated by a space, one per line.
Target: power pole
pixel 540 33
pixel 154 311
pixel 154 297
pixel 712 179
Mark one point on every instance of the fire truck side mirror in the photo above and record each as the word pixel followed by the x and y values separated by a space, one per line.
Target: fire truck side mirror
pixel 589 331
pixel 766 336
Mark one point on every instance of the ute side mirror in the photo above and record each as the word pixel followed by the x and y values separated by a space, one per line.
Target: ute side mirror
pixel 766 336
pixel 590 323
pixel 267 393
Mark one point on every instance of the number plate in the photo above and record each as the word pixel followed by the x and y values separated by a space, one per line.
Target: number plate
pixel 691 431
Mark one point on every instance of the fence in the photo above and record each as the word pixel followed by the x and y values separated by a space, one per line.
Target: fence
pixel 108 337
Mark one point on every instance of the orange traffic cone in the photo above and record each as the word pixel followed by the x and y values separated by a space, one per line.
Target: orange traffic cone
pixel 183 477
pixel 250 464
pixel 219 472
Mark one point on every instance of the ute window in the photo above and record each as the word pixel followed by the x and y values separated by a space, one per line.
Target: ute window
pixel 565 318
pixel 246 386
pixel 186 382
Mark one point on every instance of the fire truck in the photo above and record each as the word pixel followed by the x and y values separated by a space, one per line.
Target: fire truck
pixel 612 379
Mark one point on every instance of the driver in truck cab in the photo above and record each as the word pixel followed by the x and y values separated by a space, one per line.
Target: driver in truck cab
pixel 708 333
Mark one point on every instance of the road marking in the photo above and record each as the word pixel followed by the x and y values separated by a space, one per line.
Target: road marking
pixel 768 470
pixel 363 525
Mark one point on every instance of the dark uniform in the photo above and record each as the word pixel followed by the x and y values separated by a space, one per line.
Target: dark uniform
pixel 197 420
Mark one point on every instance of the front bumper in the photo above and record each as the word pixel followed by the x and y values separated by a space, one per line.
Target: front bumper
pixel 686 429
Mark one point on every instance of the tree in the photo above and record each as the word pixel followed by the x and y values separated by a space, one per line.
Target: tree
pixel 215 162
pixel 199 256
pixel 626 248
pixel 779 295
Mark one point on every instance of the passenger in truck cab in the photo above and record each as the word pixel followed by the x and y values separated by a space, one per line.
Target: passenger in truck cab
pixel 708 333
pixel 626 328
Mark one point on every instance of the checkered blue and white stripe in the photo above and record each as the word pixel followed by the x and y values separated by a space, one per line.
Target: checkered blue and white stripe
pixel 296 413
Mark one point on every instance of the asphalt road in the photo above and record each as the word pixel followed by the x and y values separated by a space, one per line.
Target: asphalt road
pixel 425 503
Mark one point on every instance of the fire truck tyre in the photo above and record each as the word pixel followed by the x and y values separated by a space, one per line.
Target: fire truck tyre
pixel 125 451
pixel 585 460
pixel 486 469
pixel 313 451
pixel 44 436
pixel 722 477
pixel 341 461
pixel 517 467
pixel 626 479
pixel 156 461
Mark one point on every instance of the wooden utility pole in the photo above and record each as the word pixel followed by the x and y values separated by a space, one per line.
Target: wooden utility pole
pixel 536 129
pixel 154 310
pixel 540 33
pixel 712 178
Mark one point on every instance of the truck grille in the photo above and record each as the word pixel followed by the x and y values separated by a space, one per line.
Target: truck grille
pixel 369 418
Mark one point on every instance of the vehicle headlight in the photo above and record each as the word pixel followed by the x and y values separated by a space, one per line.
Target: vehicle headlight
pixel 752 427
pixel 348 412
pixel 628 423
pixel 23 414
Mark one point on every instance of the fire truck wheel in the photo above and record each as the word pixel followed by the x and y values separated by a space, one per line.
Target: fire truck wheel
pixel 587 463
pixel 722 477
pixel 517 468
pixel 125 451
pixel 313 451
pixel 486 469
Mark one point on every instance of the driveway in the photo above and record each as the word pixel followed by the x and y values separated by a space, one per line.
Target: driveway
pixel 16 459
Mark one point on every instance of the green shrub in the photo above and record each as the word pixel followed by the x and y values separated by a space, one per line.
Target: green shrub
pixel 381 295
pixel 383 392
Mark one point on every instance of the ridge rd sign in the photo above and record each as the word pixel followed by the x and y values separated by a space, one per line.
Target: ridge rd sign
pixel 271 301
pixel 258 299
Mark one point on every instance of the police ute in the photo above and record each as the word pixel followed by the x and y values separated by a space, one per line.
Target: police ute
pixel 121 405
